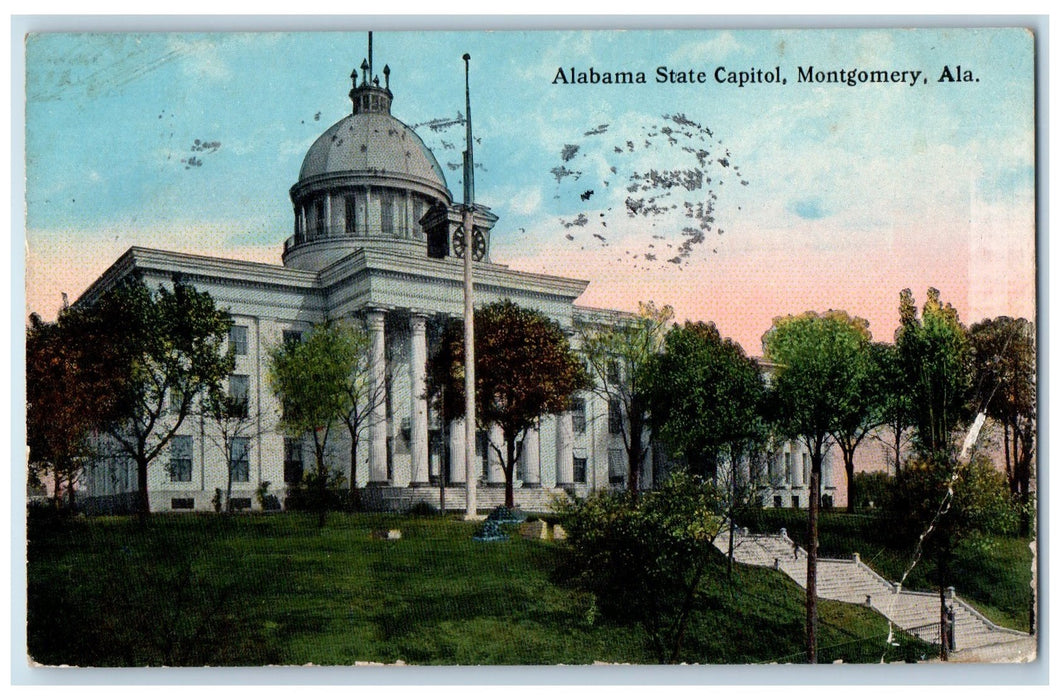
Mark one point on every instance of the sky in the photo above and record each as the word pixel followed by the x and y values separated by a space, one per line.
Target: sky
pixel 733 204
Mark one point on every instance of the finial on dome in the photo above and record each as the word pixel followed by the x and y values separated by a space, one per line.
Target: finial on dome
pixel 369 96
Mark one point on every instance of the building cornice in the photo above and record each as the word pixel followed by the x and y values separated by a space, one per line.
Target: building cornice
pixel 486 275
pixel 202 267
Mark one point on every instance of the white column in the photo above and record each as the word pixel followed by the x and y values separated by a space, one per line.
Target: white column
pixel 418 400
pixel 327 216
pixel 796 470
pixel 532 458
pixel 377 428
pixel 494 473
pixel 564 449
pixel 458 470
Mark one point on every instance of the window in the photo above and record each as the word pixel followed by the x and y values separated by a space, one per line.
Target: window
pixel 239 503
pixel 417 212
pixel 614 376
pixel 787 468
pixel 182 504
pixel 614 416
pixel 180 458
pixel 292 460
pixel 239 390
pixel 778 502
pixel 581 465
pixel 318 208
pixel 520 467
pixel 351 214
pixel 240 464
pixel 805 468
pixel 290 337
pixel 386 212
pixel 616 466
pixel 794 501
pixel 176 398
pixel 577 412
pixel 237 339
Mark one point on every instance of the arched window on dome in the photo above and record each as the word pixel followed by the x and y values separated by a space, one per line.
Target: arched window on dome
pixel 417 214
pixel 321 220
pixel 386 212
pixel 351 214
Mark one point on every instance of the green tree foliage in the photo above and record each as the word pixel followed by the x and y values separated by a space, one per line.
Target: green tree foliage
pixel 163 349
pixel 706 408
pixel 816 359
pixel 865 408
pixel 935 356
pixel 644 558
pixel 1004 355
pixel 621 357
pixel 895 402
pixel 524 369
pixel 319 382
pixel 942 507
pixel 69 390
pixel 706 397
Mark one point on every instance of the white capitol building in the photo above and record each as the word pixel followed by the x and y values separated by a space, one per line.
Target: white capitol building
pixel 376 240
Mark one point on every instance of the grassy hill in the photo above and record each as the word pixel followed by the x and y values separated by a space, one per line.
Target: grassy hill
pixel 252 590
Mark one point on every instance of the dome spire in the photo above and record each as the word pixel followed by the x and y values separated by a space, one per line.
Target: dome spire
pixel 369 96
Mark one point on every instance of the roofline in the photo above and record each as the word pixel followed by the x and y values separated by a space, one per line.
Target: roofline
pixel 161 261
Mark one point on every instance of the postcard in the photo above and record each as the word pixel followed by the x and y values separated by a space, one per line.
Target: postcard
pixel 507 348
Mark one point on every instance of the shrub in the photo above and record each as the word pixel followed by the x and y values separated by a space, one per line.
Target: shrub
pixel 874 491
pixel 422 509
pixel 643 557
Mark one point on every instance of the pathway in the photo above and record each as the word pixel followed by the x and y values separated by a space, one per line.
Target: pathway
pixel 852 581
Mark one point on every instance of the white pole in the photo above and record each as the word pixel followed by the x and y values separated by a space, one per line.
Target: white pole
pixel 470 424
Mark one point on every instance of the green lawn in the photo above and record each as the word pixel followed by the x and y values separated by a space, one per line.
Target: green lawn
pixel 993 574
pixel 251 590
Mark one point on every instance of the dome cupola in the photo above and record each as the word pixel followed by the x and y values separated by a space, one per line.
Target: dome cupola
pixel 366 181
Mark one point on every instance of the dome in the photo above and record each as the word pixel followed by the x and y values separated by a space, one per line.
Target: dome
pixel 372 143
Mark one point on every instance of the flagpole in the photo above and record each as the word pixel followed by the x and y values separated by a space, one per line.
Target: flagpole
pixel 471 473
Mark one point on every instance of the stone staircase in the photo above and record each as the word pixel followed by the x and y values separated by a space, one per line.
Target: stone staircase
pixel 852 581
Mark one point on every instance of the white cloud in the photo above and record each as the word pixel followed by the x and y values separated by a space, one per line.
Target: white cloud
pixel 526 202
pixel 201 57
pixel 721 46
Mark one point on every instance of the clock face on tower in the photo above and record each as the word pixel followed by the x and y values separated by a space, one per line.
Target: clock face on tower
pixel 478 243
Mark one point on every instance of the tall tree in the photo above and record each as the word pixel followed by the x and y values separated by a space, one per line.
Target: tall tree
pixel 706 400
pixel 941 507
pixel 312 380
pixel 935 356
pixel 67 396
pixel 895 402
pixel 862 411
pixel 815 358
pixel 620 356
pixel 524 369
pixel 165 348
pixel 234 423
pixel 1005 359
pixel 362 397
